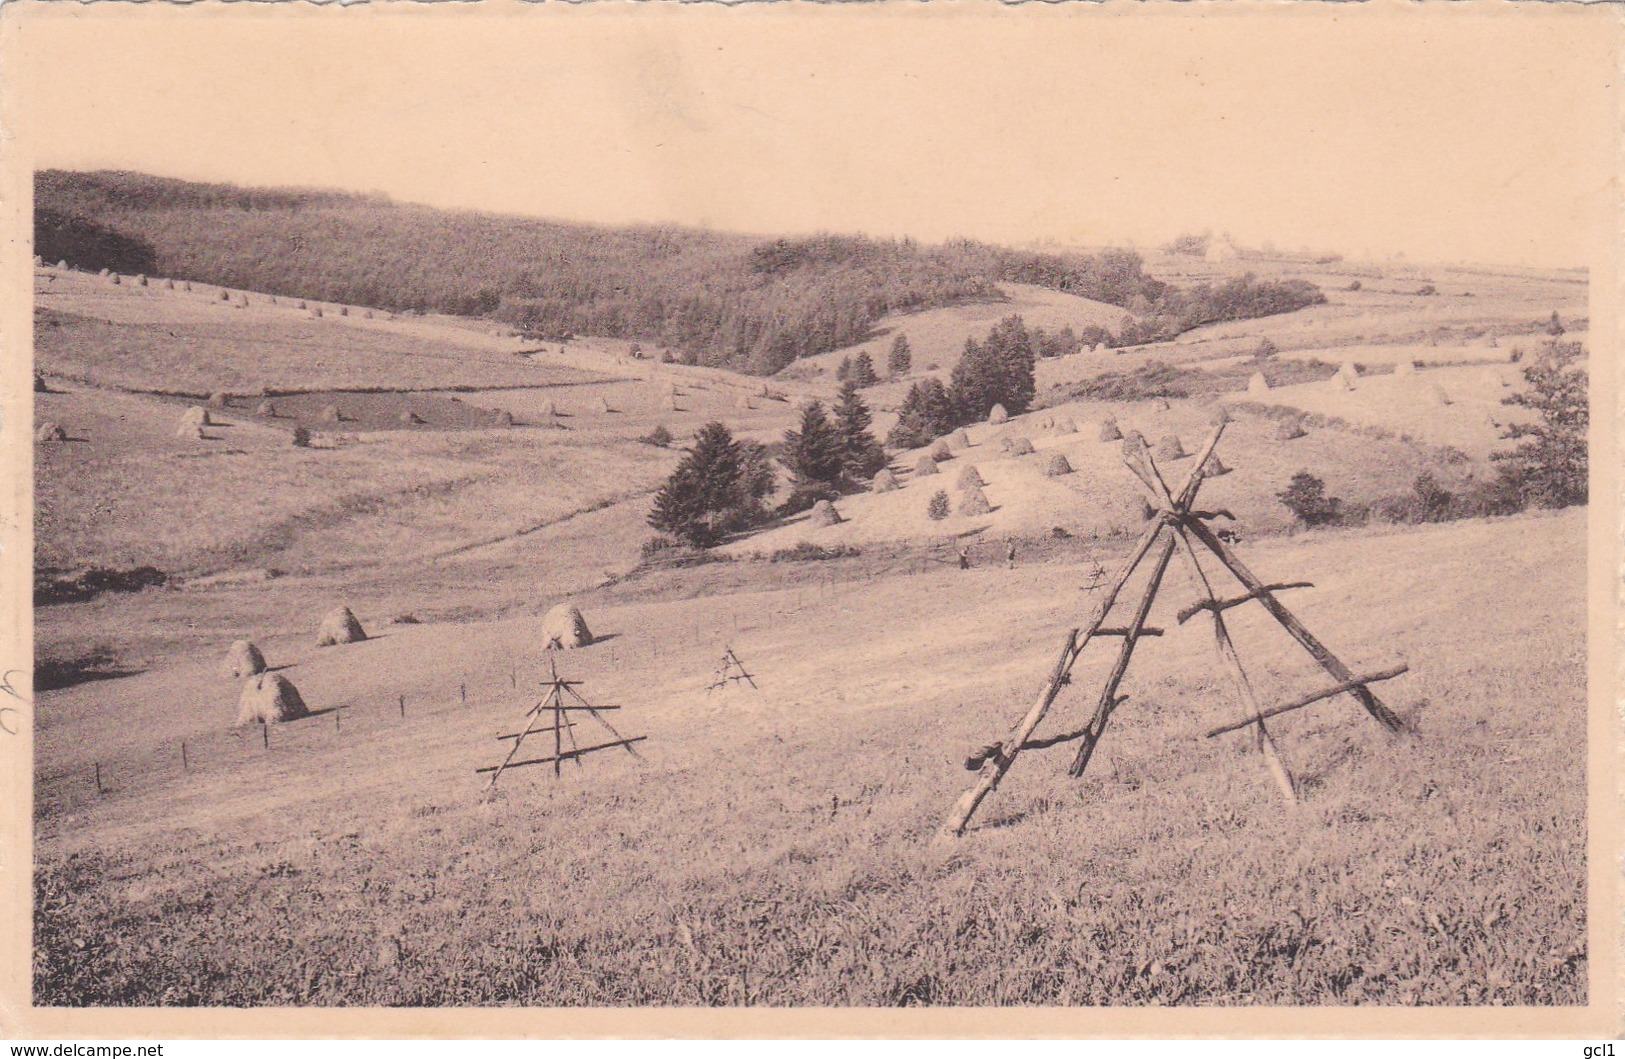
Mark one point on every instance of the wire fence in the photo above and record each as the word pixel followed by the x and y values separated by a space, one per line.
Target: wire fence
pixel 332 728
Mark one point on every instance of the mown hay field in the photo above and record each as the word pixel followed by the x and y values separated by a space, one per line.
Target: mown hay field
pixel 772 847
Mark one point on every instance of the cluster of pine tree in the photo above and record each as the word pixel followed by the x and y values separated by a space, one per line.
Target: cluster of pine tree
pixel 721 485
pixel 996 371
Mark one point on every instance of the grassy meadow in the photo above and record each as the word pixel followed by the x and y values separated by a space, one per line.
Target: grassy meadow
pixel 772 847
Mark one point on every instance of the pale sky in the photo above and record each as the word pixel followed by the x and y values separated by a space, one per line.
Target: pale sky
pixel 1468 133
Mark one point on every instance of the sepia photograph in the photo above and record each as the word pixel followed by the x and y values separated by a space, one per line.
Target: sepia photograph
pixel 669 519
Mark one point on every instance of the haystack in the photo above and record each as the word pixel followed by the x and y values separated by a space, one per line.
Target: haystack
pixel 885 482
pixel 1100 347
pixel 190 432
pixel 969 478
pixel 62 264
pixel 243 660
pixel 265 408
pixel 1170 448
pixel 410 417
pixel 116 278
pixel 1258 384
pixel 1440 397
pixel 1004 445
pixel 169 284
pixel 1341 382
pixel 926 465
pixel 217 399
pixel 104 273
pixel 39 384
pixel 1214 467
pixel 1057 466
pixel 504 418
pixel 975 503
pixel 742 402
pixel 1405 367
pixel 1020 446
pixel 1065 425
pixel 959 439
pixel 941 453
pixel 824 514
pixel 1162 404
pixel 225 295
pixel 188 286
pixel 604 401
pixel 565 629
pixel 330 414
pixel 1110 431
pixel 197 416
pixel 1289 430
pixel 50 432
pixel 549 408
pixel 998 415
pixel 270 698
pixel 141 281
pixel 303 305
pixel 340 626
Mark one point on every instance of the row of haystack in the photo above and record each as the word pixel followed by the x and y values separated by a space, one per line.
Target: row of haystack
pixel 271 698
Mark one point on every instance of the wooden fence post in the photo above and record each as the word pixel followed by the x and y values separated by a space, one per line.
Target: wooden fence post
pixel 185 767
pixel 99 778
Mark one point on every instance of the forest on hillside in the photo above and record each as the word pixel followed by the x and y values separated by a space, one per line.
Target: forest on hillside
pixel 718 299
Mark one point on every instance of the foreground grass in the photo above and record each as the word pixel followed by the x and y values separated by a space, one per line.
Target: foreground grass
pixel 772 848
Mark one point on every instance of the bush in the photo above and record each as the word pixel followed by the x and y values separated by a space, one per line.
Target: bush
pixel 938 508
pixel 1306 498
pixel 805 495
pixel 1427 290
pixel 1353 285
pixel 806 551
pixel 659 437
pixel 1266 349
pixel 301 438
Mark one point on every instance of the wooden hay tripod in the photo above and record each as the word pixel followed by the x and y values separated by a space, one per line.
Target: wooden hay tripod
pixel 1174 524
pixel 731 671
pixel 561 726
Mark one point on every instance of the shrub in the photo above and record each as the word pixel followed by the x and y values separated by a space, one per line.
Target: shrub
pixel 659 437
pixel 806 551
pixel 1266 349
pixel 938 508
pixel 1306 498
pixel 806 495
pixel 1427 290
pixel 1353 285
pixel 301 438
pixel 1433 503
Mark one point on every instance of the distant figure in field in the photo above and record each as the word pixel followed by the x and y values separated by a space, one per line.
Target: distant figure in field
pixel 1010 554
pixel 964 558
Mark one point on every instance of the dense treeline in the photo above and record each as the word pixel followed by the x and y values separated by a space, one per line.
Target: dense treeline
pixel 717 299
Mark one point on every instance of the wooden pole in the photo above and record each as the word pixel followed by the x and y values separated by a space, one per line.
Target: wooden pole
pixel 994 768
pixel 1310 700
pixel 1146 470
pixel 403 707
pixel 462 694
pixel 1108 695
pixel 996 765
pixel 1317 650
pixel 185 767
pixel 99 778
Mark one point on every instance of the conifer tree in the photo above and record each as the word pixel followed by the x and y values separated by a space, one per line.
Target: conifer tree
pixel 813 453
pixel 861 454
pixel 706 497
pixel 901 357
